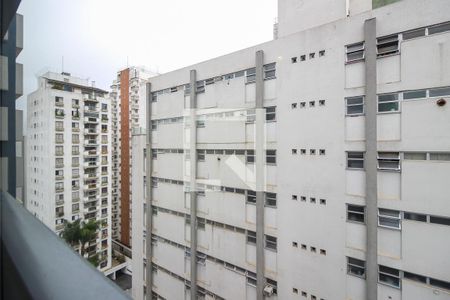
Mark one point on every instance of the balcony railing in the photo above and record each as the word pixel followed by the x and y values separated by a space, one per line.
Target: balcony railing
pixel 39 260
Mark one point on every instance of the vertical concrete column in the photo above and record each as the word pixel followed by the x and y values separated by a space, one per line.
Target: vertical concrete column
pixel 371 158
pixel 148 200
pixel 193 180
pixel 259 173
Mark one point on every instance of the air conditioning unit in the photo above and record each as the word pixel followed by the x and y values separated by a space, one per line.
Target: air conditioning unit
pixel 268 290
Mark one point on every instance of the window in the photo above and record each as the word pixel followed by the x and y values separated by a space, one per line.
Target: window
pixel 312 55
pixel 271 156
pixel 440 220
pixel 355 52
pixel 271 113
pixel 251 197
pixel 389 218
pixel 389 276
pixel 200 124
pixel 269 71
pixel 250 116
pixel 354 106
pixel 271 199
pixel 414 94
pixel 303 57
pixel 200 87
pixel 322 53
pixel 440 283
pixel 250 156
pixel 294 60
pixel 201 155
pixel 270 242
pixel 387 45
pixel 413 34
pixel 389 161
pixel 415 156
pixel 250 74
pixel 439 28
pixel 355 160
pixel 59 150
pixel 59 125
pixel 251 278
pixel 440 156
pixel 414 217
pixel 356 267
pixel 388 103
pixel 75 161
pixel 59 138
pixel 251 237
pixel 356 213
pixel 414 277
pixel 75 172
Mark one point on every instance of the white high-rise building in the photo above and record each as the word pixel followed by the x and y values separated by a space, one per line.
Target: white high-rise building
pixel 68 157
pixel 128 100
pixel 314 166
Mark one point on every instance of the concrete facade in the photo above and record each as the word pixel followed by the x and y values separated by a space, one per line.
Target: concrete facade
pixel 68 157
pixel 321 172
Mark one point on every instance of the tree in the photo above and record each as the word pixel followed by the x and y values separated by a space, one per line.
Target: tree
pixel 80 233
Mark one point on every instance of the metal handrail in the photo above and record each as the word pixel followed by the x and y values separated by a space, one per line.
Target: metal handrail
pixel 48 267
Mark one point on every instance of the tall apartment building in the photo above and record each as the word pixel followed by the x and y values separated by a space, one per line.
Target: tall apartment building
pixel 68 157
pixel 128 113
pixel 11 88
pixel 314 166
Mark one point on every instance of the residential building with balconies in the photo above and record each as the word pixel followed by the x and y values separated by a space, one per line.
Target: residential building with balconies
pixel 128 100
pixel 68 150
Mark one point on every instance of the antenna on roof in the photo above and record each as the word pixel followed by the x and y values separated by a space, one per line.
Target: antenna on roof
pixel 62 64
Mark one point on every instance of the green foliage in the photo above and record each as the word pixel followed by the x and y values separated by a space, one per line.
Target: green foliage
pixel 80 233
pixel 94 260
pixel 380 3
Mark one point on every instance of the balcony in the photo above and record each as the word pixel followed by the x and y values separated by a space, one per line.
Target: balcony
pixel 90 198
pixel 91 120
pixel 59 103
pixel 90 176
pixel 75 116
pixel 75 187
pixel 31 251
pixel 90 153
pixel 91 186
pixel 90 142
pixel 59 141
pixel 91 164
pixel 59 153
pixel 59 128
pixel 90 109
pixel 59 114
pixel 59 215
pixel 59 189
pixel 75 152
pixel 75 164
pixel 59 202
pixel 59 177
pixel 76 200
pixel 59 165
pixel 90 209
pixel 75 105
pixel 75 129
pixel 90 97
pixel 90 131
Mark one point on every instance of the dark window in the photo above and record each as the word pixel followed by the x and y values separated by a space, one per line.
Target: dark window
pixel 356 213
pixel 356 267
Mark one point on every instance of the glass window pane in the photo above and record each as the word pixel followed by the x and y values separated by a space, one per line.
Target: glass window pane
pixel 414 94
pixel 440 92
pixel 390 106
pixel 413 34
pixel 415 156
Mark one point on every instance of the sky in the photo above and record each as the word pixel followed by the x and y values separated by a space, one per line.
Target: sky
pixel 96 38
